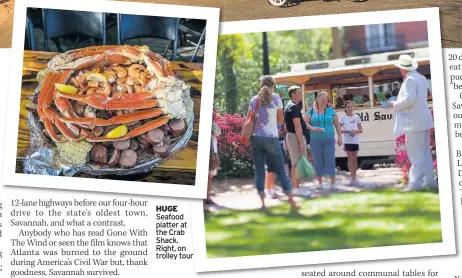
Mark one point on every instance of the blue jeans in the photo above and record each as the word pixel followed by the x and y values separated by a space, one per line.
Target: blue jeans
pixel 323 152
pixel 270 165
pixel 267 149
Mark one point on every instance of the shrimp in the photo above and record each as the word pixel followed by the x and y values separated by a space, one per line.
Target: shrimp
pixel 122 80
pixel 111 76
pixel 138 89
pixel 121 71
pixel 92 84
pixel 143 77
pixel 125 88
pixel 135 70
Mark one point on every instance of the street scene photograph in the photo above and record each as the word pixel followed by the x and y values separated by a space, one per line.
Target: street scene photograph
pixel 322 139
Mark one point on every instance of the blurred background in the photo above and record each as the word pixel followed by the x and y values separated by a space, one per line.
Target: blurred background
pixel 243 58
pixel 177 39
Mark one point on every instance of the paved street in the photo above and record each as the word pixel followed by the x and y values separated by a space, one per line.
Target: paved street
pixel 240 194
pixel 233 10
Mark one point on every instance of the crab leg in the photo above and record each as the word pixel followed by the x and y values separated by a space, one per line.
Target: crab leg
pixel 85 53
pixel 91 51
pixel 126 118
pixel 164 62
pixel 154 67
pixel 65 107
pixel 92 48
pixel 46 96
pixel 52 116
pixel 102 102
pixel 134 132
pixel 116 59
pixel 136 96
pixel 130 104
pixel 51 131
pixel 90 61
pixel 127 51
pixel 82 63
pixel 46 87
pixel 49 79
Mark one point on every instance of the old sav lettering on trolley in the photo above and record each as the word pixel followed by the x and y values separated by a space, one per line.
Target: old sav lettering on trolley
pixel 368 81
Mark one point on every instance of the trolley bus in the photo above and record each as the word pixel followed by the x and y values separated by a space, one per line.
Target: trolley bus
pixel 366 80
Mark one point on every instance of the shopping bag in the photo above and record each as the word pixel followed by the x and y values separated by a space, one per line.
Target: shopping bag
pixel 304 169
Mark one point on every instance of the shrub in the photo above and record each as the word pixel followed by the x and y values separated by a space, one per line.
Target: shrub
pixel 236 159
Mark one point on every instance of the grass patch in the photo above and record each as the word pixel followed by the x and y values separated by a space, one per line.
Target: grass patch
pixel 340 221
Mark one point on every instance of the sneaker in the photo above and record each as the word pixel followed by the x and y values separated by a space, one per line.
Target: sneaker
pixel 305 192
pixel 296 191
pixel 270 193
pixel 278 194
pixel 318 186
pixel 273 194
pixel 355 183
pixel 302 191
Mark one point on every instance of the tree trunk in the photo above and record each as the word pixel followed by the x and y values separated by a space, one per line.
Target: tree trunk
pixel 266 67
pixel 336 44
pixel 230 85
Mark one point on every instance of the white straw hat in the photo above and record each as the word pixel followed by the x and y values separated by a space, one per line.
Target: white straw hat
pixel 406 62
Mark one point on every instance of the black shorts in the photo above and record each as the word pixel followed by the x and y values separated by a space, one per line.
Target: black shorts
pixel 351 147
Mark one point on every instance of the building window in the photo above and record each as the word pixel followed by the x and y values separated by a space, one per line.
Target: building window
pixel 380 37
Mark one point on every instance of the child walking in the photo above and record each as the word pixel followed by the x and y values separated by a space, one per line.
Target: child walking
pixel 351 126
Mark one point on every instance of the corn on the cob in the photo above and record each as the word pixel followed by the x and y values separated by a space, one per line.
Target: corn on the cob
pixel 75 152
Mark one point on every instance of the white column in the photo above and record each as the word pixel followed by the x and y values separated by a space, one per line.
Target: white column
pixel 371 90
pixel 303 101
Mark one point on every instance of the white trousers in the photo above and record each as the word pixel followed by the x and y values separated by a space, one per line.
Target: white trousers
pixel 419 153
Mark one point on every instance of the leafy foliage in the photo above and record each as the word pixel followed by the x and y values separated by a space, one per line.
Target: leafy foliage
pixel 235 157
pixel 240 62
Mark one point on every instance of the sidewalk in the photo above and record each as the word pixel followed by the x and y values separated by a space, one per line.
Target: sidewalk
pixel 241 194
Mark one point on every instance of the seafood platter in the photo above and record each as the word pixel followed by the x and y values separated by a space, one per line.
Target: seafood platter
pixel 107 110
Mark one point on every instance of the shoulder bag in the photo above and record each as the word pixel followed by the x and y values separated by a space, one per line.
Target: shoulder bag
pixel 249 125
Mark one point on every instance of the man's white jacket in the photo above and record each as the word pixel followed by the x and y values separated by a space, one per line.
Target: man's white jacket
pixel 412 113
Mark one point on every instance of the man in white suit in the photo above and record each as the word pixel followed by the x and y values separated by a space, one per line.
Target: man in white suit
pixel 413 118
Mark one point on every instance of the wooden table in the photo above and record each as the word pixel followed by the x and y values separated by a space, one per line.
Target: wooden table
pixel 179 169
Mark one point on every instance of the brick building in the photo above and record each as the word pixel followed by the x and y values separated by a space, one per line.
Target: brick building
pixel 377 38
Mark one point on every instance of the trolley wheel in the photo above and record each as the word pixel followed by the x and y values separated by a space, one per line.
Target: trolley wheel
pixel 277 3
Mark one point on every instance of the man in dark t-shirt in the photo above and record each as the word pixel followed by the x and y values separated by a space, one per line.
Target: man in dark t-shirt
pixel 296 127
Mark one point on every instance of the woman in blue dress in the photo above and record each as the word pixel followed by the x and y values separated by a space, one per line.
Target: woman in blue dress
pixel 323 123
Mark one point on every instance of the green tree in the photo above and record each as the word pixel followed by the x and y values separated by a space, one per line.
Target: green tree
pixel 240 63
